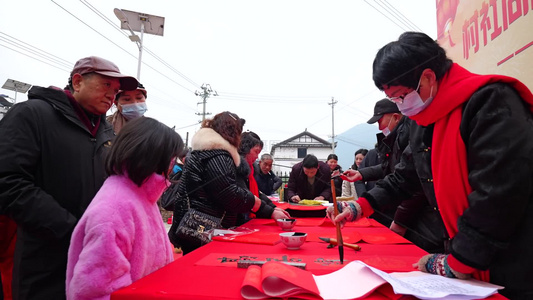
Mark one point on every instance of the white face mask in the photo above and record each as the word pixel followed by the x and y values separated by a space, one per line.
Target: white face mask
pixel 412 104
pixel 386 130
pixel 133 110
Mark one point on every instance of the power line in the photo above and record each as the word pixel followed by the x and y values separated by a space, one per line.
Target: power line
pixel 93 29
pixel 157 71
pixel 271 100
pixel 397 12
pixel 395 15
pixel 403 29
pixel 35 50
pixel 101 15
pixel 110 22
pixel 271 96
pixel 57 67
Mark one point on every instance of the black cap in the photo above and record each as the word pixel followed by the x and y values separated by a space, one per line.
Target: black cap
pixel 383 106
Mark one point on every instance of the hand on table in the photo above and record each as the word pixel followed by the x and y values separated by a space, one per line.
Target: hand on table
pixel 319 198
pixel 279 213
pixel 438 264
pixel 295 199
pixel 351 175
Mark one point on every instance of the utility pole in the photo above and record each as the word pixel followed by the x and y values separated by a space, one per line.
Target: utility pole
pixel 206 93
pixel 333 102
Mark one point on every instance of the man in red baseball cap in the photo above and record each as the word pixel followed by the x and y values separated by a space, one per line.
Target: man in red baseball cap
pixel 51 166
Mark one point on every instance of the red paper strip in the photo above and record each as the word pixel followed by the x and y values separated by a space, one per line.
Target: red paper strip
pixel 386 263
pixel 259 237
pixel 364 222
pixel 384 238
pixel 313 262
pixel 352 237
pixel 295 206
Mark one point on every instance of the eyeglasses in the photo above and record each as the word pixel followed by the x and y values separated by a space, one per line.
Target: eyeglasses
pixel 399 99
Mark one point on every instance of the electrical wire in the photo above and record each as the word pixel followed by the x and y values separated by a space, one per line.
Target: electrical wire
pixel 57 67
pixel 110 22
pixel 402 28
pixel 397 12
pixel 393 12
pixel 35 50
pixel 99 33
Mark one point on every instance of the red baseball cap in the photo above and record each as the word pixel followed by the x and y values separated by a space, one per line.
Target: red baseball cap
pixel 94 64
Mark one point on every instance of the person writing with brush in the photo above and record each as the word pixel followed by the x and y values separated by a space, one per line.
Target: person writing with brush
pixel 464 156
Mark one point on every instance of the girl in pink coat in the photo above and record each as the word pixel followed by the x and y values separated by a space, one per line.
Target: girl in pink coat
pixel 121 236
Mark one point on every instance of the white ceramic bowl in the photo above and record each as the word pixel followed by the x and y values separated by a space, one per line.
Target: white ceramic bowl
pixel 286 224
pixel 293 240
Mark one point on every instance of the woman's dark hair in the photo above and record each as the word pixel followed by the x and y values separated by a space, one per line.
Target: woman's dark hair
pixel 361 151
pixel 332 156
pixel 310 161
pixel 144 146
pixel 228 125
pixel 249 139
pixel 402 62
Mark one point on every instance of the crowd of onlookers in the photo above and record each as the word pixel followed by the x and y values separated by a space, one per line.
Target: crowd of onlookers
pixel 452 171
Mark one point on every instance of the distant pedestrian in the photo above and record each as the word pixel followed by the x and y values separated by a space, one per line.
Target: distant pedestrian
pixel 267 181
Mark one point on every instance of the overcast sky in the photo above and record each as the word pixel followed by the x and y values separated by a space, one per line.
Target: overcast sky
pixel 275 63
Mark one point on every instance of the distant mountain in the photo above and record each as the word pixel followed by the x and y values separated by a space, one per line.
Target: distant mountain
pixel 360 136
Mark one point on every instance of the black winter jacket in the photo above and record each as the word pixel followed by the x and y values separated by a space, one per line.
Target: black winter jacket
pixel 425 227
pixel 297 184
pixel 267 183
pixel 496 231
pixel 209 181
pixel 267 207
pixel 50 169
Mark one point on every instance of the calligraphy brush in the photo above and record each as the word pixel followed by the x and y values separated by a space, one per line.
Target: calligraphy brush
pixel 337 225
pixel 413 230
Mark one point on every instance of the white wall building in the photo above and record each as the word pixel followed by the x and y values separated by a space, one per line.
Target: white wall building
pixel 291 151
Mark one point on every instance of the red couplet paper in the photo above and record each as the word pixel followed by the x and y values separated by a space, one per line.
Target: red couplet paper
pixel 276 279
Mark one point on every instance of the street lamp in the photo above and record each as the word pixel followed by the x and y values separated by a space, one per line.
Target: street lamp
pixel 17 86
pixel 141 22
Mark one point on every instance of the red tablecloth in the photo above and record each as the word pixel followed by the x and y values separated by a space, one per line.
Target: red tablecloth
pixel 210 272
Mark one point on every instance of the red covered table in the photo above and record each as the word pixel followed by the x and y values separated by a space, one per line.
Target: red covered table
pixel 210 272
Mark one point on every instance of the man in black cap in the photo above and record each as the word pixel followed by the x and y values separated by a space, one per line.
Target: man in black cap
pixel 392 141
pixel 51 166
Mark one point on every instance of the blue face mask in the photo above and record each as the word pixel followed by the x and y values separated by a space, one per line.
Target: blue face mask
pixel 133 110
pixel 412 104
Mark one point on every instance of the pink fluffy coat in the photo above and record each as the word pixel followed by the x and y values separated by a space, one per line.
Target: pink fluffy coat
pixel 120 238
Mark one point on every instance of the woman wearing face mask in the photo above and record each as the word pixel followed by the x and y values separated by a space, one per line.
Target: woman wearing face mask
pixel 130 105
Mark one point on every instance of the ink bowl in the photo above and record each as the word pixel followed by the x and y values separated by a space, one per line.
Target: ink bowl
pixel 286 224
pixel 293 240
